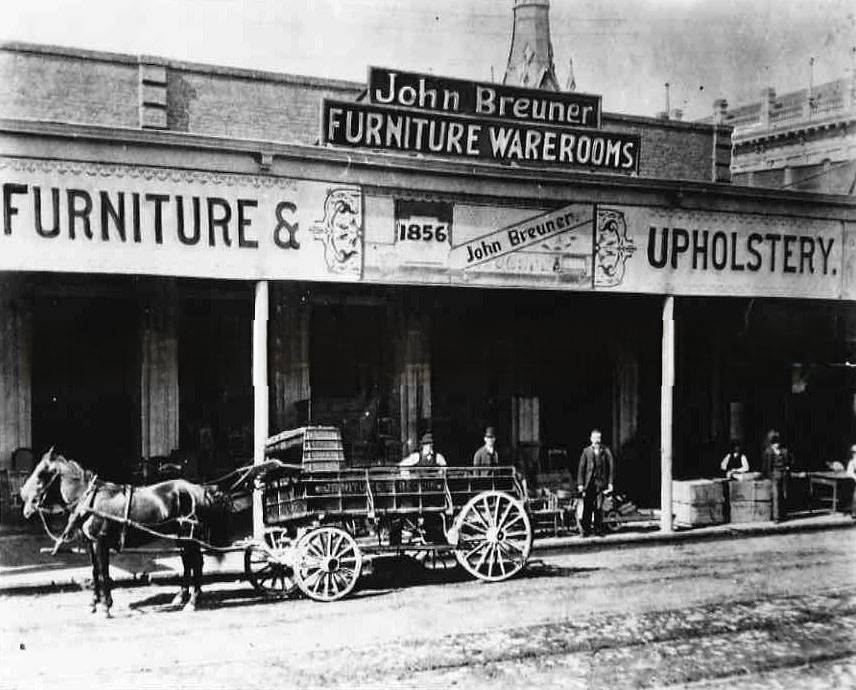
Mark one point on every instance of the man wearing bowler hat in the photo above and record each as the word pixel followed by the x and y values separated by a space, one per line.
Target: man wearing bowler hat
pixel 594 476
pixel 425 456
pixel 486 456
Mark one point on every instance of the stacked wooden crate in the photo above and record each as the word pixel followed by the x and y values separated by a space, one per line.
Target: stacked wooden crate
pixel 698 502
pixel 751 500
pixel 316 448
pixel 322 449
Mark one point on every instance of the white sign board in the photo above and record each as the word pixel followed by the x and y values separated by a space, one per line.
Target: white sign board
pixel 679 252
pixel 81 217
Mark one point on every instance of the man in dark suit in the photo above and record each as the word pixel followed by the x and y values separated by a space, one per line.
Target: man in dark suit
pixel 486 456
pixel 594 476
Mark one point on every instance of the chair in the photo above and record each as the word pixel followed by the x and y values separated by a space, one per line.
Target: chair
pixel 23 459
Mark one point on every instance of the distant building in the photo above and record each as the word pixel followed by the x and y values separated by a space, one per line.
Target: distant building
pixel 802 140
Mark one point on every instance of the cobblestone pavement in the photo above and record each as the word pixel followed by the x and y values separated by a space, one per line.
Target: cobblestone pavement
pixel 768 612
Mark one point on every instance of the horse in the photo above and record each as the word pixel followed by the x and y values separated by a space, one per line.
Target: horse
pixel 103 512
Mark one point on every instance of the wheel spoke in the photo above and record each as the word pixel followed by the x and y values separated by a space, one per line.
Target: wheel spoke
pixel 487 512
pixel 312 547
pixel 517 518
pixel 335 550
pixel 478 529
pixel 517 533
pixel 312 580
pixel 509 555
pixel 512 543
pixel 501 522
pixel 478 547
pixel 499 559
pixel 483 556
pixel 476 513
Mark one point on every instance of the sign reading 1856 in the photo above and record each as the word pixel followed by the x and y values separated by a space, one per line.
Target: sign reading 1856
pixel 423 230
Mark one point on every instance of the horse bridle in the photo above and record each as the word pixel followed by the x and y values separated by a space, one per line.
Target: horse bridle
pixel 39 505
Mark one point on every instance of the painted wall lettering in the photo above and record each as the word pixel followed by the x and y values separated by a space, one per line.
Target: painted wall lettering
pixel 135 221
pixel 717 250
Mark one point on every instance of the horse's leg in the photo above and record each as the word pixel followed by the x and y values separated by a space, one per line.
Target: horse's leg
pixel 102 550
pixel 182 595
pixel 195 557
pixel 96 577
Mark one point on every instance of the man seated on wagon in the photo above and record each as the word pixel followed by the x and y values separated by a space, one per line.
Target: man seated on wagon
pixel 425 456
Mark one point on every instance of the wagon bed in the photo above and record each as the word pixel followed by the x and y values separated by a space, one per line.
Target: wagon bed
pixel 380 492
pixel 321 519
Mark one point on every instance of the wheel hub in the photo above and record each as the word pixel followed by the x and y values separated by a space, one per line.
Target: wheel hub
pixel 495 535
pixel 330 565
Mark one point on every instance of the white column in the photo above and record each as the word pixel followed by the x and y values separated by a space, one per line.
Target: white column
pixel 159 399
pixel 666 406
pixel 260 393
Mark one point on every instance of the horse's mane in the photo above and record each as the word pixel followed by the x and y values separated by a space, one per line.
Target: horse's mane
pixel 77 470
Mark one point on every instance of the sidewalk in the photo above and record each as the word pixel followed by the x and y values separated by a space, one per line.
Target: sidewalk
pixel 27 567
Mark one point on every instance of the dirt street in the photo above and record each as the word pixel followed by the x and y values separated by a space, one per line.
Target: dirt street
pixel 765 612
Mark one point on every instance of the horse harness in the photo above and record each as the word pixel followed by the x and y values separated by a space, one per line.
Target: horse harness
pixel 85 506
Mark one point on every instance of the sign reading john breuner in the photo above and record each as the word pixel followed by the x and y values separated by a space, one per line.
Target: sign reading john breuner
pixel 359 125
pixel 479 99
pixel 64 216
pixel 575 219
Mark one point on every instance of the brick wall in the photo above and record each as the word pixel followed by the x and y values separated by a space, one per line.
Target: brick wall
pixel 675 150
pixel 249 108
pixel 78 86
pixel 67 86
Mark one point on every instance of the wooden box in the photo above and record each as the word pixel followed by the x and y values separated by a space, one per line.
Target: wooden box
pixel 751 511
pixel 751 491
pixel 700 514
pixel 698 492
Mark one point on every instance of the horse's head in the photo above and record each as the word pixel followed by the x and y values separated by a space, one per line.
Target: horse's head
pixel 35 489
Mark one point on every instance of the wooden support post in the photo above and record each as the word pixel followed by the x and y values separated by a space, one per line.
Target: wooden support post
pixel 260 393
pixel 666 409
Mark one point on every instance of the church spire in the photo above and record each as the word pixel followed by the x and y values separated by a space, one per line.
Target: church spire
pixel 530 60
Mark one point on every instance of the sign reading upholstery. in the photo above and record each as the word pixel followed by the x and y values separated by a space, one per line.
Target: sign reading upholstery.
pixel 358 125
pixel 706 253
pixel 479 99
pixel 63 216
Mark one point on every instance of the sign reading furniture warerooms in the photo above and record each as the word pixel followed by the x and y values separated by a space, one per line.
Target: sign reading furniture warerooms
pixel 78 217
pixel 419 113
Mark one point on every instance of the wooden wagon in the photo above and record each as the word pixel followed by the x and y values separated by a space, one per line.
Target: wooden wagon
pixel 324 521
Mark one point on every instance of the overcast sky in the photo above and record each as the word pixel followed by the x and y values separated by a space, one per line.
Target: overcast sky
pixel 623 49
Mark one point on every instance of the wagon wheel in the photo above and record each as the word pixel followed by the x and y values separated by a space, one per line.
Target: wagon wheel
pixel 494 536
pixel 267 566
pixel 611 520
pixel 328 563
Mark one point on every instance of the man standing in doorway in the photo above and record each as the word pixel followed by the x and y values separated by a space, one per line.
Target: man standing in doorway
pixel 486 456
pixel 425 456
pixel 777 466
pixel 594 476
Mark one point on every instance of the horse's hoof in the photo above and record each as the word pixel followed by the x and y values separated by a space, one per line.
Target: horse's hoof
pixel 189 606
pixel 179 599
pixel 107 613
